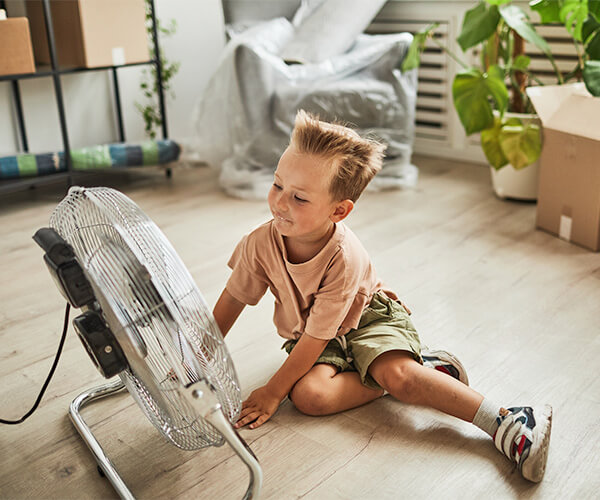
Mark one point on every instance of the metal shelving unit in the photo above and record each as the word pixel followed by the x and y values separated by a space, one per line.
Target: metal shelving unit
pixel 55 72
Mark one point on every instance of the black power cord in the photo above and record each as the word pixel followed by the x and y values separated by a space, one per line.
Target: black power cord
pixel 52 370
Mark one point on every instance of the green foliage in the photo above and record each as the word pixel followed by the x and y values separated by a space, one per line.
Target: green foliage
pixel 490 143
pixel 549 10
pixel 149 108
pixel 591 76
pixel 516 19
pixel 581 19
pixel 520 142
pixel 471 91
pixel 573 14
pixel 480 94
pixel 509 140
pixel 590 36
pixel 413 56
pixel 479 24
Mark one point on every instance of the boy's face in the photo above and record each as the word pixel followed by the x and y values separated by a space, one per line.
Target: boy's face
pixel 299 198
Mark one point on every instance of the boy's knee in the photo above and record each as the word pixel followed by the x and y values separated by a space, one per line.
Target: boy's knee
pixel 398 379
pixel 310 397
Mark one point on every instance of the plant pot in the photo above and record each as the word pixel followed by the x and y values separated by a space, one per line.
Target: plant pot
pixel 516 184
pixel 519 184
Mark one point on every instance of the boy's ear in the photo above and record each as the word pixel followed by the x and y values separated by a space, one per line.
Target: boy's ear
pixel 342 210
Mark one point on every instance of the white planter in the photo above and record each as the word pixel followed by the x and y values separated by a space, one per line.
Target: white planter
pixel 517 184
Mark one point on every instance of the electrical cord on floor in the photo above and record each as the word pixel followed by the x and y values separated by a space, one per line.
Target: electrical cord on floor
pixel 52 370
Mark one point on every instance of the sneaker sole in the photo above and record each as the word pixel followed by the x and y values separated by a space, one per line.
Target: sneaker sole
pixel 534 465
pixel 451 360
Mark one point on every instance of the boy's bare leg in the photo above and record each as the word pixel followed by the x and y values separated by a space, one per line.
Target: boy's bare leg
pixel 323 391
pixel 410 382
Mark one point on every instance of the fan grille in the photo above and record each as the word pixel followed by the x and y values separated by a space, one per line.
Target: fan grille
pixel 153 306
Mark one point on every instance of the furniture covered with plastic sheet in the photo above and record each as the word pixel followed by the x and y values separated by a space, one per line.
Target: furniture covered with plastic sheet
pixel 245 115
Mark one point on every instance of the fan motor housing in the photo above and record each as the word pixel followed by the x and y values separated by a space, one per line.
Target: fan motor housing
pixel 64 267
pixel 100 343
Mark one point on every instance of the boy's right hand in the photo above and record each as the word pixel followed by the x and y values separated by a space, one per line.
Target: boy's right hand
pixel 258 408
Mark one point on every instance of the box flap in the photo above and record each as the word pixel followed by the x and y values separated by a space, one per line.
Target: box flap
pixel 567 108
pixel 546 99
pixel 577 115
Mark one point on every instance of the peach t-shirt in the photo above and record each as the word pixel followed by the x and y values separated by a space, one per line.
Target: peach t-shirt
pixel 323 297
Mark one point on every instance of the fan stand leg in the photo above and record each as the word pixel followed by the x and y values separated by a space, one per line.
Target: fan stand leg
pixel 242 450
pixel 87 435
pixel 203 397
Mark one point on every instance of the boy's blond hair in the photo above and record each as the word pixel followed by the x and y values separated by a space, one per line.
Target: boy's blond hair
pixel 356 159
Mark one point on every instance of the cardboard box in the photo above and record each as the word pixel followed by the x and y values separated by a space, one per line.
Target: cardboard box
pixel 91 33
pixel 16 55
pixel 569 186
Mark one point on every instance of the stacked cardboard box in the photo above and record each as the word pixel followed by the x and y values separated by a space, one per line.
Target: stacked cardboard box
pixel 16 56
pixel 91 33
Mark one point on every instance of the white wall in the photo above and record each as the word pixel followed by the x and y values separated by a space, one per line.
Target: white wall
pixel 88 96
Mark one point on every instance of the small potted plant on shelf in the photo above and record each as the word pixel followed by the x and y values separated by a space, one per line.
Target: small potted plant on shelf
pixel 497 31
pixel 150 109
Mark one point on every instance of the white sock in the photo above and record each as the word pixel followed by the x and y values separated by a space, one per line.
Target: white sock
pixel 486 416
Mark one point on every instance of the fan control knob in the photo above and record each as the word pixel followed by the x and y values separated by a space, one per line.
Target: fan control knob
pixel 100 343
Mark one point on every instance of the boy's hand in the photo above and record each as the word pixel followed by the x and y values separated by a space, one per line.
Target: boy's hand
pixel 258 408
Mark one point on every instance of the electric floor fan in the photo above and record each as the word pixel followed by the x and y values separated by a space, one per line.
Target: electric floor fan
pixel 143 319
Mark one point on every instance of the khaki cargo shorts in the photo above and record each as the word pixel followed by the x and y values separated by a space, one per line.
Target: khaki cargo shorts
pixel 384 326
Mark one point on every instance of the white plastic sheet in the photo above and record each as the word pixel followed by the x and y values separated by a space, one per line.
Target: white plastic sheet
pixel 245 116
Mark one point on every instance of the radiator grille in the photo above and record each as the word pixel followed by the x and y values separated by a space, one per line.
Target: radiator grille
pixel 432 90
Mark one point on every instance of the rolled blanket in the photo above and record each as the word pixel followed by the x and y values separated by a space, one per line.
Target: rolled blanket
pixel 91 158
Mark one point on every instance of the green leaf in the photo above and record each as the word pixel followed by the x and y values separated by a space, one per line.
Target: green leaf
pixel 521 62
pixel 573 14
pixel 471 92
pixel 479 24
pixel 589 27
pixel 413 56
pixel 516 18
pixel 494 79
pixel 498 2
pixel 590 34
pixel 520 144
pixel 490 143
pixel 470 96
pixel 594 8
pixel 591 77
pixel 549 10
pixel 592 49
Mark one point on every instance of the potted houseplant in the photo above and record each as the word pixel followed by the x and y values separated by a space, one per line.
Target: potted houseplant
pixel 510 132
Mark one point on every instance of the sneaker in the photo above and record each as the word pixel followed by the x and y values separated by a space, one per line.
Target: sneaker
pixel 446 363
pixel 523 435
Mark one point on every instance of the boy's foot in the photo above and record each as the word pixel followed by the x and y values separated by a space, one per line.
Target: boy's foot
pixel 523 435
pixel 445 362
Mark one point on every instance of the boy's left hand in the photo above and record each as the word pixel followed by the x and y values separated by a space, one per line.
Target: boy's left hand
pixel 258 408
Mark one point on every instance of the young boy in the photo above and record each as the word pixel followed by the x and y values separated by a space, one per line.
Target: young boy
pixel 349 339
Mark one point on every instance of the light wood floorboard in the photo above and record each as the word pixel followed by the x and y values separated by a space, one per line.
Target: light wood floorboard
pixel 520 307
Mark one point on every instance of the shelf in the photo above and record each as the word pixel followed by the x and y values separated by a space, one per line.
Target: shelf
pixel 47 71
pixel 54 71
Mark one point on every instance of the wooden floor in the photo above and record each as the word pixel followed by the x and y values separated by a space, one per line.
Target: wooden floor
pixel 520 307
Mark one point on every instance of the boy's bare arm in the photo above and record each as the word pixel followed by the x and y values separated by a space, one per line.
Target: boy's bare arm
pixel 226 311
pixel 264 401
